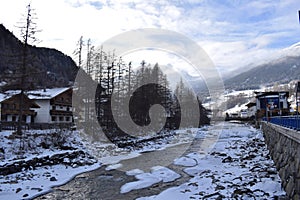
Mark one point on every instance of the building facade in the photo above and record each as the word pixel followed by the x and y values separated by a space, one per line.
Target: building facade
pixel 10 108
pixel 55 105
pixel 272 104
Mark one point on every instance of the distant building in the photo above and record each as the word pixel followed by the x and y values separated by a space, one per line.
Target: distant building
pixel 55 105
pixel 272 103
pixel 10 108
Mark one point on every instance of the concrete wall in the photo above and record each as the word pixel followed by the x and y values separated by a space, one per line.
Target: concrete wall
pixel 284 147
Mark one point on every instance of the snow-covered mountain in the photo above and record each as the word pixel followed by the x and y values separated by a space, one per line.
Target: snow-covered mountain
pixel 281 67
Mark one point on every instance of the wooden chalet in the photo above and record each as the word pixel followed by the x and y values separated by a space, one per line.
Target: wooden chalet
pixel 55 105
pixel 10 108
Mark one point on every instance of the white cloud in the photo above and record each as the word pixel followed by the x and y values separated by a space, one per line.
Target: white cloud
pixel 234 33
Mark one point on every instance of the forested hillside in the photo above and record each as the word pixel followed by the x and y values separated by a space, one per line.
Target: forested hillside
pixel 45 67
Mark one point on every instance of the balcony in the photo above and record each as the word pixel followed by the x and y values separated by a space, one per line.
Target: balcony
pixel 61 112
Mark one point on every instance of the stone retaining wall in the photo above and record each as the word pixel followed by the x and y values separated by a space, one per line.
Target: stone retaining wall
pixel 284 147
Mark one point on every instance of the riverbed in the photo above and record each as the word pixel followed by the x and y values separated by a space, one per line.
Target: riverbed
pixel 224 161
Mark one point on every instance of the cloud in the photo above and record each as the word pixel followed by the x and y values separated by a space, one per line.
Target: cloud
pixel 234 33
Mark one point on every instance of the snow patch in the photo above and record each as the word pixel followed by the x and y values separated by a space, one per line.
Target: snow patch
pixel 113 167
pixel 30 183
pixel 157 174
pixel 134 172
pixel 186 162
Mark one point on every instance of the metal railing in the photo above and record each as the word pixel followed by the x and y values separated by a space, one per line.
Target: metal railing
pixel 291 122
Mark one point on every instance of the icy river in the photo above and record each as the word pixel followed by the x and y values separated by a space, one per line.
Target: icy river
pixel 225 161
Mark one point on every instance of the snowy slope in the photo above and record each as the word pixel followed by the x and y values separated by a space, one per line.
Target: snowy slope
pixel 282 67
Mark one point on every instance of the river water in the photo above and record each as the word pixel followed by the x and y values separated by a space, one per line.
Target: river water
pixel 223 146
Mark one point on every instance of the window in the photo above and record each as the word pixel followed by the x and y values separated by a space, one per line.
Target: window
pixel 67 119
pixel 53 118
pixel 61 118
pixel 68 108
pixel 13 118
pixel 53 107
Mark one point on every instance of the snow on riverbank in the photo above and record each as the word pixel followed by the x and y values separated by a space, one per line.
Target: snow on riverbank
pixel 109 153
pixel 50 155
pixel 31 165
pixel 237 167
pixel 29 183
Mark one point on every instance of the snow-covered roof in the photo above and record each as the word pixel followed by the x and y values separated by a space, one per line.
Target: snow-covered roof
pixel 4 97
pixel 8 94
pixel 46 93
pixel 11 93
pixel 271 94
pixel 35 94
pixel 239 92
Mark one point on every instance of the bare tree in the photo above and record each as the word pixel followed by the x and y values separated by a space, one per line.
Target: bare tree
pixel 28 30
pixel 78 51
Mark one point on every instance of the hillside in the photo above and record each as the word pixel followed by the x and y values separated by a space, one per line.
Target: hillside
pixel 49 67
pixel 283 69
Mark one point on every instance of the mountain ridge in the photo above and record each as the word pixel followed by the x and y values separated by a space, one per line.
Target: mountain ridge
pixel 282 68
pixel 51 67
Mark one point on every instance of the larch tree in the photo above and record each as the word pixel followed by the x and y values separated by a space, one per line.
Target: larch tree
pixel 28 29
pixel 78 51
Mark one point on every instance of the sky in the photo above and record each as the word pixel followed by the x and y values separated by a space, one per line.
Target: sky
pixel 234 33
